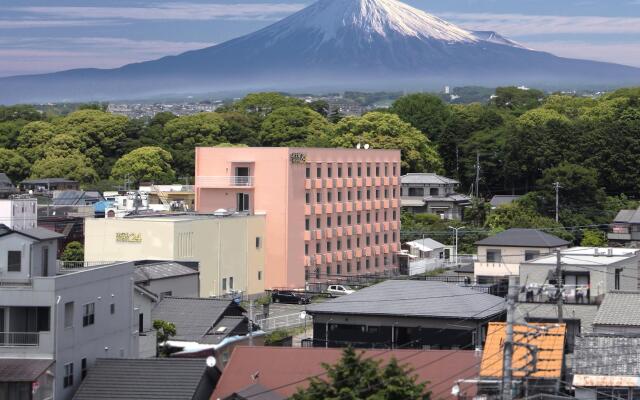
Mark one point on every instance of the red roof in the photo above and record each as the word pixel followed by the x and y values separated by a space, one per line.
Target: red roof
pixel 285 369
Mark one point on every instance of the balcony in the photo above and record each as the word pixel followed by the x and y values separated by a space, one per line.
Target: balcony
pixel 224 181
pixel 19 339
pixel 16 283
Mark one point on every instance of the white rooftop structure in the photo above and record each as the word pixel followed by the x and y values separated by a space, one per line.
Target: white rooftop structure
pixel 588 256
pixel 425 244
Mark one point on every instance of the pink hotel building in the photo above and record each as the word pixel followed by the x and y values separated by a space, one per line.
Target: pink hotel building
pixel 329 212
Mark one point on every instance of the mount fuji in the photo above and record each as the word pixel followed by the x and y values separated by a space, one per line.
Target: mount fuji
pixel 331 44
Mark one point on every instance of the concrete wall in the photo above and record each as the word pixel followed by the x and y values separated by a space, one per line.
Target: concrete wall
pixel 179 286
pixel 31 256
pixel 510 262
pixel 19 214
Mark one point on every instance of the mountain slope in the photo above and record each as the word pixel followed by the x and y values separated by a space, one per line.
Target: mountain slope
pixel 332 44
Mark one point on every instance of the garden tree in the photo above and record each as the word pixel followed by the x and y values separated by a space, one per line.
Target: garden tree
pixel 75 166
pixel 13 164
pixel 593 238
pixel 355 377
pixel 388 131
pixel 239 128
pixel 34 139
pixel 148 164
pixel 335 116
pixel 262 104
pixel 476 213
pixel 537 140
pixel 292 126
pixel 103 134
pixel 424 111
pixel 320 106
pixel 517 100
pixel 184 134
pixel 489 146
pixel 9 132
pixel 517 215
pixel 62 145
pixel 19 112
pixel 569 106
pixel 164 331
pixel 74 251
pixel 162 118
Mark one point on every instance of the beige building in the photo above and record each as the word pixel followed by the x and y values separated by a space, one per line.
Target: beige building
pixel 229 249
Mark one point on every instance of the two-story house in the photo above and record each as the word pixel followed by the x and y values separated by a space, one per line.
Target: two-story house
pixel 500 255
pixel 54 323
pixel 429 193
pixel 625 229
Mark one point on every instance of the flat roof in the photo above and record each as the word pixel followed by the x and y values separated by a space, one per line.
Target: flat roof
pixel 587 256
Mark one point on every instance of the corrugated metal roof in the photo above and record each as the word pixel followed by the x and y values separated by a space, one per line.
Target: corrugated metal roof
pixel 607 355
pixel 142 379
pixel 414 299
pixel 520 237
pixel 549 342
pixel 619 308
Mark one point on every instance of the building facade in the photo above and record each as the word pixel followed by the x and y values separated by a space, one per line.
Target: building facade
pixel 229 248
pixel 19 212
pixel 428 193
pixel 329 212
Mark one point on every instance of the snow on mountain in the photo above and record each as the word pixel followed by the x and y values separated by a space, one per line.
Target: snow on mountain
pixel 493 37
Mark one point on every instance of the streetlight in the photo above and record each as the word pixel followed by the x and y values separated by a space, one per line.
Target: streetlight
pixel 456 242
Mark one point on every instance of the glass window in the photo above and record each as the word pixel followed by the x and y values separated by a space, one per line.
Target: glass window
pixel 493 255
pixel 386 193
pixel 348 243
pixel 358 242
pixel 306 249
pixel 317 247
pixel 319 197
pixel 317 273
pixel 338 269
pixel 328 270
pixel 339 195
pixel 231 282
pixel 433 191
pixel 377 241
pixel 368 194
pixel 367 240
pixel 348 267
pixel 68 375
pixel 358 265
pixel 329 172
pixel 260 275
pixel 328 222
pixel 368 215
pixel 88 314
pixel 307 197
pixel 368 170
pixel 83 368
pixel 339 244
pixel 308 173
pixel 258 242
pixel 319 172
pixel 377 194
pixel 339 172
pixel 339 220
pixel 394 169
pixel 243 202
pixel 318 223
pixel 14 260
pixel 358 218
pixel 366 264
pixel 328 246
pixel 377 170
pixel 359 171
pixel 349 219
pixel 68 314
pixel 224 283
pixel 531 254
pixel 307 224
pixel 329 196
pixel 349 171
pixel 386 169
pixel 385 237
pixel 348 195
pixel 359 196
pixel 112 308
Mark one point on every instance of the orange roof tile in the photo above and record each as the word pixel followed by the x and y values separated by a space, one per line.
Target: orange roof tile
pixel 549 344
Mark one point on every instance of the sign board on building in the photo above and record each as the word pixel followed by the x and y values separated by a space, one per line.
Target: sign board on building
pixel 298 158
pixel 128 237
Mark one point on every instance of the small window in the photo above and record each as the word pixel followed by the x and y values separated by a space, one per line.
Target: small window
pixel 307 197
pixel 224 283
pixel 83 369
pixel 317 247
pixel 338 270
pixel 339 195
pixel 367 240
pixel 348 195
pixel 306 224
pixel 166 294
pixel 231 282
pixel 377 170
pixel 318 197
pixel 318 223
pixel 367 266
pixel 368 170
pixel 358 218
pixel 339 221
pixel 258 242
pixel 317 273
pixel 112 308
pixel 531 254
pixel 306 249
pixel 259 275
pixel 358 242
pixel 494 255
pixel 328 246
pixel 348 243
pixel 308 173
pixel 349 219
pixel 88 314
pixel 348 267
pixel 68 375
pixel 319 172
pixel 339 172
pixel 328 222
pixel 359 196
pixel 433 191
pixel 329 196
pixel 349 174
pixel 328 270
pixel 14 261
pixel 368 194
pixel 68 314
pixel 359 171
pixel 329 172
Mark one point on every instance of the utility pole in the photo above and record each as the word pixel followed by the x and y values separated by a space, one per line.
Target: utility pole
pixel 507 362
pixel 477 184
pixel 559 284
pixel 455 256
pixel 557 186
pixel 250 322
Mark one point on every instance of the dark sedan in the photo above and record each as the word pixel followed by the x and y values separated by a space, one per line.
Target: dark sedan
pixel 290 297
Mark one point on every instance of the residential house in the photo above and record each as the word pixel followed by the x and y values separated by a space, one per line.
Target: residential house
pixel 19 212
pixel 537 359
pixel 625 229
pixel 606 367
pixel 619 314
pixel 500 255
pixel 6 186
pixel 48 185
pixel 204 327
pixel 276 373
pixel 229 248
pixel 423 255
pixel 588 273
pixel 501 200
pixel 406 314
pixel 69 317
pixel 330 213
pixel 149 379
pixel 428 193
pixel 75 198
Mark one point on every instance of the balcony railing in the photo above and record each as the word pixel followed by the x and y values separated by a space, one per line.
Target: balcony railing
pixel 19 339
pixel 224 181
pixel 72 266
pixel 15 283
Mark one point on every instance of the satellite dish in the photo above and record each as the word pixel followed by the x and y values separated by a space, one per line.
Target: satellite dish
pixel 358 146
pixel 366 146
pixel 303 315
pixel 211 362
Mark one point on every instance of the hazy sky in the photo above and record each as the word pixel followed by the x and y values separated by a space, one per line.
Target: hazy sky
pixel 45 35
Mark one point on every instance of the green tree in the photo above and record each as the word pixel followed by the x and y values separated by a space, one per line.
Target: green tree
pixel 239 128
pixel 19 112
pixel 388 131
pixel 184 134
pixel 517 215
pixel 593 238
pixel 320 106
pixel 292 126
pixel 74 251
pixel 13 164
pixel 74 166
pixel 262 104
pixel 164 331
pixel 34 139
pixel 63 144
pixel 517 100
pixel 355 377
pixel 9 132
pixel 424 111
pixel 151 164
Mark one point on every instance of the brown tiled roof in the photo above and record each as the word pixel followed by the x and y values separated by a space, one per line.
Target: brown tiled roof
pixel 284 370
pixel 549 342
pixel 22 369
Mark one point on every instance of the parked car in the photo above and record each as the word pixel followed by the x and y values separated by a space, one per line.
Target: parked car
pixel 339 290
pixel 290 297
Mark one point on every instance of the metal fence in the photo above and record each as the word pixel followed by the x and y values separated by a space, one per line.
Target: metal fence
pixel 19 339
pixel 284 321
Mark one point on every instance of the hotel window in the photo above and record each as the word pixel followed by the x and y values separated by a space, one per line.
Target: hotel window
pixel 339 244
pixel 367 240
pixel 338 269
pixel 318 223
pixel 328 222
pixel 317 273
pixel 339 221
pixel 349 171
pixel 339 172
pixel 319 197
pixel 348 243
pixel 328 246
pixel 368 194
pixel 243 202
pixel 359 171
pixel 349 219
pixel 88 314
pixel 318 247
pixel 386 169
pixel 348 195
pixel 329 196
pixel 329 172
pixel 348 267
pixel 319 172
pixel 328 270
pixel 307 197
pixel 368 216
pixel 386 238
pixel 366 264
pixel 358 218
pixel 377 170
pixel 308 172
pixel 359 195
pixel 339 195
pixel 368 170
pixel 307 224
pixel 306 249
pixel 68 375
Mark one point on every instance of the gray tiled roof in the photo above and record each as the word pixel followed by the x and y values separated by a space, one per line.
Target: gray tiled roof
pixel 628 216
pixel 161 270
pixel 427 178
pixel 22 369
pixel 4 180
pixel 192 316
pixel 607 355
pixel 255 392
pixel 41 233
pixel 44 181
pixel 586 313
pixel 415 299
pixel 229 323
pixel 141 379
pixel 520 237
pixel 619 308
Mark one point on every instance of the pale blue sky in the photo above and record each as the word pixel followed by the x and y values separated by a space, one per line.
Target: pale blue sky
pixel 45 35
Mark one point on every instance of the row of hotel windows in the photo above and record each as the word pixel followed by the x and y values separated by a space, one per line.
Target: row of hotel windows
pixel 348 243
pixel 350 169
pixel 347 267
pixel 349 219
pixel 358 194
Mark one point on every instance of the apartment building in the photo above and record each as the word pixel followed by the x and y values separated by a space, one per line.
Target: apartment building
pixel 54 322
pixel 228 247
pixel 329 212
